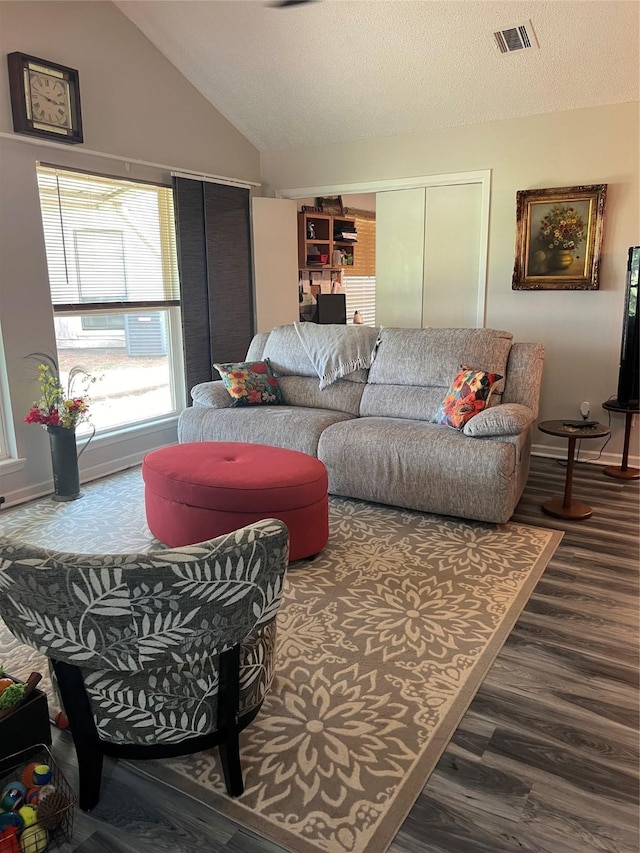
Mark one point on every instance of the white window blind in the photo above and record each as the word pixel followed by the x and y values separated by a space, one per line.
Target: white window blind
pixel 108 241
pixel 361 296
pixel 113 277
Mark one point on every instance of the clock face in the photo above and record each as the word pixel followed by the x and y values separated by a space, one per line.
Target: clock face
pixel 49 99
pixel 45 98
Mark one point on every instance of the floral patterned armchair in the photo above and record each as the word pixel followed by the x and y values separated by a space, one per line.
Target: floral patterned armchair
pixel 156 654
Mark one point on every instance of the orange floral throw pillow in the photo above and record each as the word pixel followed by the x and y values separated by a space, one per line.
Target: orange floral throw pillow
pixel 251 383
pixel 468 394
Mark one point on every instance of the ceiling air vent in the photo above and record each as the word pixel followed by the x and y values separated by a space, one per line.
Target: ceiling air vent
pixel 518 37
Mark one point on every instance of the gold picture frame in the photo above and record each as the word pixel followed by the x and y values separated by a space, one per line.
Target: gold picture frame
pixel 559 238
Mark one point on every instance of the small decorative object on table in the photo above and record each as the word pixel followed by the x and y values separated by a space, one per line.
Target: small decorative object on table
pixel 37 801
pixel 60 411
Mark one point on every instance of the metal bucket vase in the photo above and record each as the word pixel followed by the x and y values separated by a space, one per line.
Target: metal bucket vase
pixel 64 461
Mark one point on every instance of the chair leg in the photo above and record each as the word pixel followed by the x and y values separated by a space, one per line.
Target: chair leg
pixel 90 774
pixel 228 705
pixel 83 731
pixel 229 749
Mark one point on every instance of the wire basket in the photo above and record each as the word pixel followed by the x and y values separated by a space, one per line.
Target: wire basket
pixel 58 822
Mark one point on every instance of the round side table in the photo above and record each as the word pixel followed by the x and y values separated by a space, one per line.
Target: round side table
pixel 623 472
pixel 568 508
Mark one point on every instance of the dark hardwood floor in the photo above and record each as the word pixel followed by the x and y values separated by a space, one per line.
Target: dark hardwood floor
pixel 546 757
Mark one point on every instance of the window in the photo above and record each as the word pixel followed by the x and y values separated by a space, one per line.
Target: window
pixel 8 451
pixel 93 279
pixel 360 279
pixel 4 444
pixel 114 289
pixel 361 297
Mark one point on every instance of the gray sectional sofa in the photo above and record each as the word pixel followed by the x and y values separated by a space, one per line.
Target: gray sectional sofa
pixel 374 428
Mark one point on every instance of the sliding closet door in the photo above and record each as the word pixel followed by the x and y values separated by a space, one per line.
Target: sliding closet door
pixel 452 256
pixel 399 257
pixel 430 242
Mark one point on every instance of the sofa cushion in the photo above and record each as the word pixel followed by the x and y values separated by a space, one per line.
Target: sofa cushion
pixel 286 353
pixel 430 357
pixel 423 466
pixel 524 375
pixel 413 368
pixel 289 358
pixel 299 379
pixel 506 419
pixel 250 383
pixel 211 394
pixel 341 396
pixel 293 427
pixel 468 395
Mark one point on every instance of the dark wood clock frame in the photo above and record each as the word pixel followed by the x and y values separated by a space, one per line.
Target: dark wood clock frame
pixel 22 123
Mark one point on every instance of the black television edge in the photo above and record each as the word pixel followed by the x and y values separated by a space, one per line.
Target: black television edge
pixel 630 348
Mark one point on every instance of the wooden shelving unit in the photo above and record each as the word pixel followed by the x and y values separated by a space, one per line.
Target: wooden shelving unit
pixel 316 240
pixel 341 224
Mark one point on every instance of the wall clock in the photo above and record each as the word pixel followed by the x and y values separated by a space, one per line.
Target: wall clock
pixel 45 98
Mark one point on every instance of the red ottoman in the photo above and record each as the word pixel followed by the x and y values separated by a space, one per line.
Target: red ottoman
pixel 201 489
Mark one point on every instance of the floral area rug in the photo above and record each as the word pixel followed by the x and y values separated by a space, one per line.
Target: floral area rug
pixel 384 639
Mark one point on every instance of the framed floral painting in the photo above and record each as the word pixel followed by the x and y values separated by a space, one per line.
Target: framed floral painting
pixel 559 238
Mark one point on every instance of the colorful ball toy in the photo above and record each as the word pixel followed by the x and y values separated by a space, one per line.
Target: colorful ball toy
pixel 32 796
pixel 45 791
pixel 42 774
pixel 60 720
pixel 13 796
pixel 27 774
pixel 34 839
pixel 9 840
pixel 10 819
pixel 52 810
pixel 28 815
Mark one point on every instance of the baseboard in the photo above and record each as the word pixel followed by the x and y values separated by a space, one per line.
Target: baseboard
pixel 88 475
pixel 585 454
pixel 104 456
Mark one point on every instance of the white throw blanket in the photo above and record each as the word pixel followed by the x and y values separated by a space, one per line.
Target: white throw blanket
pixel 338 350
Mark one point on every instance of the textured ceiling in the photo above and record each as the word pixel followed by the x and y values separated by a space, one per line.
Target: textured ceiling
pixel 345 70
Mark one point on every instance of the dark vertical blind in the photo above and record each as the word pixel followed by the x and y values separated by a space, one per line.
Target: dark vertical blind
pixel 214 259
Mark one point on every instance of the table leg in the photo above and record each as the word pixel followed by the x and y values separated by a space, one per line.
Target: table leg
pixel 624 472
pixel 567 508
pixel 568 483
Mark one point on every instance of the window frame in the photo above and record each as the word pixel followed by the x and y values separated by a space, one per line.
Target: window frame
pixel 120 308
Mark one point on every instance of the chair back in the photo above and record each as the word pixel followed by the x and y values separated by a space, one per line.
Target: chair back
pixel 128 612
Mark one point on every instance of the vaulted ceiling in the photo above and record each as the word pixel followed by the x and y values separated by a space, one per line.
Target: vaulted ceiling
pixel 346 70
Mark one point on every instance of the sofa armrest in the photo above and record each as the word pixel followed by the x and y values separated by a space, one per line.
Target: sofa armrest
pixel 504 419
pixel 211 395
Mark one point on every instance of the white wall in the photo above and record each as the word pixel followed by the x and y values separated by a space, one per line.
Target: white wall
pixel 580 330
pixel 136 105
pixel 275 263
